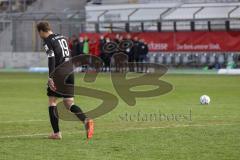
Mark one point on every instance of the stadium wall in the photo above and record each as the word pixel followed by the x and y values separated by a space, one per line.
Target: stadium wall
pixel 199 41
pixel 22 60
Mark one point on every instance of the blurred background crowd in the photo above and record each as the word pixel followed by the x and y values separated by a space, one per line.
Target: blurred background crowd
pixel 106 47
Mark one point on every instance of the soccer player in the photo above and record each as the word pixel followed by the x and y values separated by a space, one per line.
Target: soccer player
pixel 58 53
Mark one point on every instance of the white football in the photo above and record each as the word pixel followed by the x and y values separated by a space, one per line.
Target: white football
pixel 205 99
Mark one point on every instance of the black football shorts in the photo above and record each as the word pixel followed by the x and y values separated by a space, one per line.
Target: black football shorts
pixel 63 94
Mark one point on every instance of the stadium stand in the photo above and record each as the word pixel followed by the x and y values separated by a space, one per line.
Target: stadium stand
pixel 150 14
pixel 18 35
pixel 166 13
pixel 106 2
pixel 182 13
pixel 15 5
pixel 173 16
pixel 179 11
pixel 120 16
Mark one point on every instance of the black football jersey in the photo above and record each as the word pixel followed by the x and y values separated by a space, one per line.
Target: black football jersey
pixel 56 46
pixel 57 50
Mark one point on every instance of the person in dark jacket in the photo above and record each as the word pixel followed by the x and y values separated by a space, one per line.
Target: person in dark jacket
pixel 108 53
pixel 136 52
pixel 74 45
pixel 102 42
pixel 130 52
pixel 80 46
pixel 117 38
pixel 143 54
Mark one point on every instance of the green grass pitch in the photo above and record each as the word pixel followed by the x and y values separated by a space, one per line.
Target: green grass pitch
pixel 212 133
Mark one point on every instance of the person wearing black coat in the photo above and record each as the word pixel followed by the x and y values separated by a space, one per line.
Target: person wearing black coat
pixel 143 54
pixel 102 42
pixel 74 46
pixel 130 53
pixel 136 51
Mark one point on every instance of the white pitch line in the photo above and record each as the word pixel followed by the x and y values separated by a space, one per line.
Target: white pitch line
pixel 129 129
pixel 21 136
pixel 23 121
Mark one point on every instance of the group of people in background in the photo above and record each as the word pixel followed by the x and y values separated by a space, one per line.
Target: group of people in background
pixel 105 47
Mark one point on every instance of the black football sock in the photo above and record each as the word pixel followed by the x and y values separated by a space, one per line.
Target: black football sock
pixel 78 112
pixel 54 118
